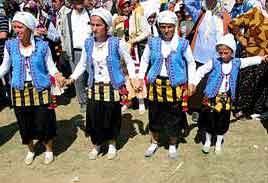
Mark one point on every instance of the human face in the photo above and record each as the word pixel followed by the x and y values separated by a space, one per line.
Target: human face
pixel 167 31
pixel 78 6
pixel 23 33
pixel 151 19
pixel 211 4
pixel 239 1
pixel 99 28
pixel 89 4
pixel 125 10
pixel 179 15
pixel 56 4
pixel 225 53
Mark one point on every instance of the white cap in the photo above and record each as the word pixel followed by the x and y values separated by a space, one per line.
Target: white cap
pixel 26 18
pixel 229 41
pixel 167 17
pixel 104 14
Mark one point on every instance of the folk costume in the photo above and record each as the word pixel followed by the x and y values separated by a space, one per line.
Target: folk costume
pixel 220 91
pixel 168 74
pixel 31 69
pixel 102 62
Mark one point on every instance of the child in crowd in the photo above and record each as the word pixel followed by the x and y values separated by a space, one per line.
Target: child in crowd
pixel 220 89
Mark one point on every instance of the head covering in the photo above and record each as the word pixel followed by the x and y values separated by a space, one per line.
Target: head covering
pixel 150 11
pixel 178 6
pixel 167 17
pixel 104 14
pixel 121 4
pixel 229 41
pixel 26 18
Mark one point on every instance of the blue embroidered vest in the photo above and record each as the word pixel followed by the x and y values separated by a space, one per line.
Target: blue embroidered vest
pixel 216 77
pixel 175 64
pixel 37 63
pixel 113 62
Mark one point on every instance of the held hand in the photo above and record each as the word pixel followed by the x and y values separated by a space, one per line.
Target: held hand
pixel 59 79
pixel 118 20
pixel 138 85
pixel 68 81
pixel 191 89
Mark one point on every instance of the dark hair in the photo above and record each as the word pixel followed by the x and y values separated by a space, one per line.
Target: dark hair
pixel 11 7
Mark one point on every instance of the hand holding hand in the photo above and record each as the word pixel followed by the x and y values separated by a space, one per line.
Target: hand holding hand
pixel 68 81
pixel 191 89
pixel 59 79
pixel 138 85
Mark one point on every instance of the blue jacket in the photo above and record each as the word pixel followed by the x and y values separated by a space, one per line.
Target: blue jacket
pixel 175 64
pixel 216 77
pixel 39 72
pixel 113 62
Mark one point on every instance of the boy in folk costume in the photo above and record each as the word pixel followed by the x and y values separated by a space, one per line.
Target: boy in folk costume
pixel 220 89
pixel 101 58
pixel 168 77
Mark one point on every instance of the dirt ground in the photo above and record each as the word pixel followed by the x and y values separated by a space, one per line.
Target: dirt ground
pixel 244 160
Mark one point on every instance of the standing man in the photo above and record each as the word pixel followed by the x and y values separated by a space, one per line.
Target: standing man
pixel 76 29
pixel 168 77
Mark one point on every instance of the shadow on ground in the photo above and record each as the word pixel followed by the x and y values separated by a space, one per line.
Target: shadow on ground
pixel 128 129
pixel 66 135
pixel 7 132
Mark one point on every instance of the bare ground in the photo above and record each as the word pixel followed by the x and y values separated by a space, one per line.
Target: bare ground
pixel 244 160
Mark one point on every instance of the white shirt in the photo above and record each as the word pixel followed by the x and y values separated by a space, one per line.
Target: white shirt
pixel 226 69
pixel 81 28
pixel 99 58
pixel 134 32
pixel 27 52
pixel 60 17
pixel 167 47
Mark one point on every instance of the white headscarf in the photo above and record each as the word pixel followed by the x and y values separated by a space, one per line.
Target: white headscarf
pixel 178 6
pixel 167 17
pixel 26 18
pixel 229 41
pixel 150 12
pixel 104 14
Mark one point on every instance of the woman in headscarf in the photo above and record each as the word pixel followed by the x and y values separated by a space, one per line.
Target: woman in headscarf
pixel 120 24
pixel 169 75
pixel 252 88
pixel 31 65
pixel 151 17
pixel 101 58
